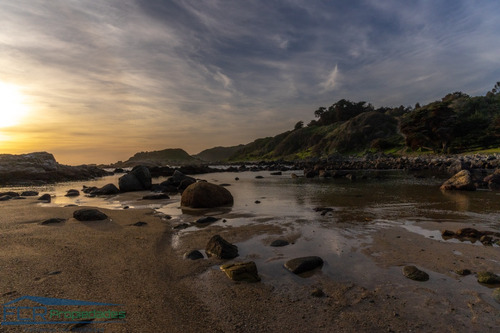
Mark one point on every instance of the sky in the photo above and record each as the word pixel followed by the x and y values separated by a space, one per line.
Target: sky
pixel 95 81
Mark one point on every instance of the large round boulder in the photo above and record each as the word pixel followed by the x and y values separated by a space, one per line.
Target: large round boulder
pixel 206 195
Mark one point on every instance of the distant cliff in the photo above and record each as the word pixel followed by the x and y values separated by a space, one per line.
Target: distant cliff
pixel 174 156
pixel 41 168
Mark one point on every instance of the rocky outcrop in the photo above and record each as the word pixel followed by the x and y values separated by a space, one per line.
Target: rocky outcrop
pixel 206 195
pixel 42 168
pixel 243 271
pixel 221 248
pixel 493 180
pixel 488 278
pixel 107 189
pixel 139 179
pixel 461 181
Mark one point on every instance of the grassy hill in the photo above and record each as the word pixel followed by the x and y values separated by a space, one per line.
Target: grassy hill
pixel 217 154
pixel 174 156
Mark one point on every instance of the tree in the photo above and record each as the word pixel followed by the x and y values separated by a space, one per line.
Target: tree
pixel 298 125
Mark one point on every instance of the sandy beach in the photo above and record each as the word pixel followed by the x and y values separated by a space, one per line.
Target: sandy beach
pixel 142 269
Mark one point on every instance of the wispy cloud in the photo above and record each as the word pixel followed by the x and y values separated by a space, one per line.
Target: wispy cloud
pixel 141 74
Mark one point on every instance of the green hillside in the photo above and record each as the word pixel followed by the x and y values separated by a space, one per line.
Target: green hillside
pixel 457 123
pixel 161 157
pixel 217 154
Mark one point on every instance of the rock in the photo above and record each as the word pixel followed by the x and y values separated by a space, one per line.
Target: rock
pixel 107 189
pixel 293 175
pixel 317 293
pixel 493 180
pixel 236 178
pixel 140 224
pixel 53 221
pixel 46 197
pixel 29 194
pixel 496 295
pixel 161 196
pixel 72 193
pixel 5 197
pixel 177 178
pixel 257 201
pixel 193 255
pixel 139 179
pixel 181 226
pixel 89 215
pixel 463 272
pixel 243 271
pixel 220 248
pixel 184 184
pixel 413 273
pixel 488 278
pixel 276 173
pixel 461 181
pixel 303 264
pixel 279 243
pixel 225 184
pixel 447 234
pixel 10 194
pixel 207 220
pixel 206 195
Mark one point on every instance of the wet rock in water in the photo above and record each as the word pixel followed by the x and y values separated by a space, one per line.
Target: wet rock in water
pixel 140 224
pixel 463 272
pixel 89 215
pixel 488 278
pixel 236 178
pixel 461 181
pixel 160 196
pixel 193 255
pixel 317 292
pixel 54 220
pixel 303 264
pixel 5 197
pixel 413 273
pixel 29 194
pixel 323 210
pixel 493 180
pixel 10 194
pixel 46 197
pixel 72 193
pixel 207 220
pixel 279 243
pixel 447 234
pixel 206 195
pixel 257 202
pixel 107 189
pixel 139 179
pixel 225 185
pixel 259 177
pixel 496 295
pixel 220 248
pixel 181 226
pixel 276 173
pixel 243 271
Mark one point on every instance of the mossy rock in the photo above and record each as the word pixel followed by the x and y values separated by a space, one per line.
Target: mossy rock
pixel 243 271
pixel 413 273
pixel 488 278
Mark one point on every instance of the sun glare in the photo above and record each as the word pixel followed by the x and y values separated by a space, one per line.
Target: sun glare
pixel 12 105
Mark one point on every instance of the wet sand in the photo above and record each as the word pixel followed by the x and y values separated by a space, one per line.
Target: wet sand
pixel 143 269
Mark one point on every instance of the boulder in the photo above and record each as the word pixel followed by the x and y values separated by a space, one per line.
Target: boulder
pixel 45 197
pixel 107 189
pixel 488 278
pixel 193 255
pixel 29 194
pixel 279 243
pixel 207 220
pixel 72 193
pixel 303 264
pixel 206 195
pixel 413 273
pixel 493 180
pixel 243 271
pixel 54 220
pixel 5 197
pixel 139 179
pixel 177 178
pixel 89 215
pixel 461 181
pixel 220 248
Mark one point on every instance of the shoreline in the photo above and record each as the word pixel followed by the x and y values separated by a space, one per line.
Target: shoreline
pixel 143 269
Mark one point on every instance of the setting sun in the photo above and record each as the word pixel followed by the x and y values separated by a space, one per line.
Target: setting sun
pixel 12 105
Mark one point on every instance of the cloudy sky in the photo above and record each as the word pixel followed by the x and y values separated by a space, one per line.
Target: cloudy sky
pixel 97 80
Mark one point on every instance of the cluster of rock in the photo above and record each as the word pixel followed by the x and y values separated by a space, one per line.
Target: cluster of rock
pixel 5 196
pixel 465 181
pixel 473 235
pixel 42 168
